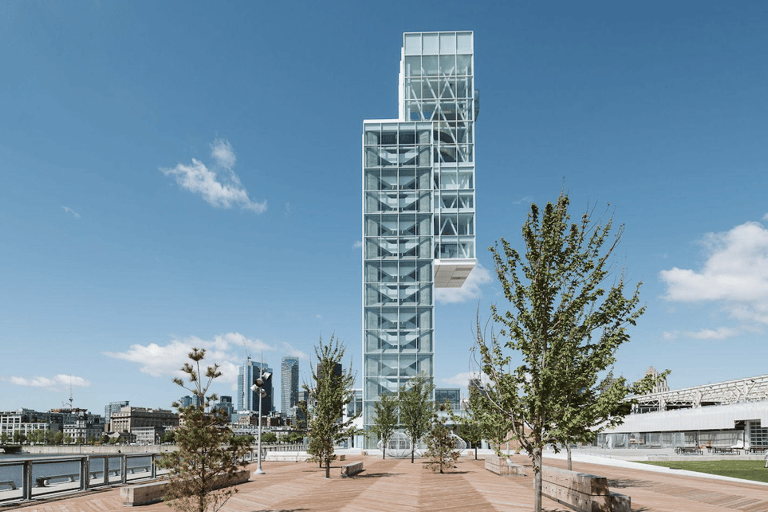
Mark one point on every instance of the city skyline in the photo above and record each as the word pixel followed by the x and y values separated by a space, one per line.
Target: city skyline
pixel 188 174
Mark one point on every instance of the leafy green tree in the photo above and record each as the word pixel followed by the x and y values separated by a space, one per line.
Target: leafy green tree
pixel 416 409
pixel 4 437
pixel 207 451
pixel 329 394
pixel 385 422
pixel 565 327
pixel 441 446
pixel 169 436
pixel 58 437
pixel 269 437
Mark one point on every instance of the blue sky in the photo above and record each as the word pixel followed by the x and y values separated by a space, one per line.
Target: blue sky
pixel 188 173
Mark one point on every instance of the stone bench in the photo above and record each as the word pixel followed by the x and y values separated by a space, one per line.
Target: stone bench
pixel 8 483
pixel 153 492
pixel 351 469
pixel 503 466
pixel 581 491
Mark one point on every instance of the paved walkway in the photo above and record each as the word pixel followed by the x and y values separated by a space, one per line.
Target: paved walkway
pixel 397 485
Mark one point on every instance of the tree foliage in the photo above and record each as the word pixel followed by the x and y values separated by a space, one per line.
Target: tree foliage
pixel 207 452
pixel 564 324
pixel 385 422
pixel 416 409
pixel 441 445
pixel 329 394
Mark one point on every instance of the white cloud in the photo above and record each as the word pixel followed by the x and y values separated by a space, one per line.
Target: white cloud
pixel 288 350
pixel 462 379
pixel 357 245
pixel 735 274
pixel 470 290
pixel 526 200
pixel 720 333
pixel 219 186
pixel 58 382
pixel 71 212
pixel 227 350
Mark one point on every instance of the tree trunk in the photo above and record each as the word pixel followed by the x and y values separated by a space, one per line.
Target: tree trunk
pixel 328 468
pixel 413 449
pixel 568 449
pixel 475 451
pixel 537 478
pixel 383 451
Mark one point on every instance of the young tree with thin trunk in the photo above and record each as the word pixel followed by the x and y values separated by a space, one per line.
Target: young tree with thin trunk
pixel 207 454
pixel 416 409
pixel 441 445
pixel 329 394
pixel 385 422
pixel 564 325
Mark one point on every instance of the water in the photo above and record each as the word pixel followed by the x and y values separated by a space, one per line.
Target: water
pixel 44 469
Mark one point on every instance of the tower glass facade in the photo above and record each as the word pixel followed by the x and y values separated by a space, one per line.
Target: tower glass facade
pixel 418 209
pixel 289 386
pixel 247 399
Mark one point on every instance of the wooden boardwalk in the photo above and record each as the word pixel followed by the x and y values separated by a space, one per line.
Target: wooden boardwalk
pixel 397 485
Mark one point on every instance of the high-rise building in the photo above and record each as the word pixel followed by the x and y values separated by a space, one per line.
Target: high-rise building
pixel 289 386
pixel 418 208
pixel 247 399
pixel 113 407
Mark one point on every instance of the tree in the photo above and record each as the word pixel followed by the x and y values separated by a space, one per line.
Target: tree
pixel 564 325
pixel 169 436
pixel 385 422
pixel 207 452
pixel 416 409
pixel 441 446
pixel 58 437
pixel 329 394
pixel 268 437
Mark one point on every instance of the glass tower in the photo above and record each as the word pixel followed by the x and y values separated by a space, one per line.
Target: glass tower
pixel 247 399
pixel 418 209
pixel 289 386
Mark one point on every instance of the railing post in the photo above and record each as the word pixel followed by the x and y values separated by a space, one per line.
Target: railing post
pixel 123 468
pixel 85 473
pixel 26 480
pixel 106 470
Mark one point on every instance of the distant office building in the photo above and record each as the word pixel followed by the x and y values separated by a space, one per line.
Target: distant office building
pixel 247 399
pixel 289 386
pixel 189 400
pixel 113 407
pixel 451 396
pixel 128 418
pixel 225 404
pixel 418 209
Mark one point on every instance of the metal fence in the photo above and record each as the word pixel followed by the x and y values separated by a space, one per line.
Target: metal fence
pixel 39 476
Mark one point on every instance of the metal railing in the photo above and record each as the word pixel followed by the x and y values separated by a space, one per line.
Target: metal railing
pixel 36 480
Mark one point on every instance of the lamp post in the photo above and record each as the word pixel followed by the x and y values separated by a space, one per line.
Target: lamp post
pixel 257 388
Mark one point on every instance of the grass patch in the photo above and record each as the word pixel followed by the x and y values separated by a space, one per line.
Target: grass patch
pixel 745 469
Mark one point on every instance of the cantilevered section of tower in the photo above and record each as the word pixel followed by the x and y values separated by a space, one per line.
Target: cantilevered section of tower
pixel 418 209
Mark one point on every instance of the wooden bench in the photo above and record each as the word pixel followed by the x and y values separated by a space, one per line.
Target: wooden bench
pixel 581 491
pixel 351 469
pixel 153 492
pixel 503 466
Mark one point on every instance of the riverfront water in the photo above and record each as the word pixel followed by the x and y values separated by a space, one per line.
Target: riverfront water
pixel 13 473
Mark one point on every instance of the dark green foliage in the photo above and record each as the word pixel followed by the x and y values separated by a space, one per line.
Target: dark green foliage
pixel 564 326
pixel 267 437
pixel 329 394
pixel 416 409
pixel 385 421
pixel 207 451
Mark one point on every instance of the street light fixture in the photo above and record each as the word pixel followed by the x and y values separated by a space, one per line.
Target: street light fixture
pixel 257 388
